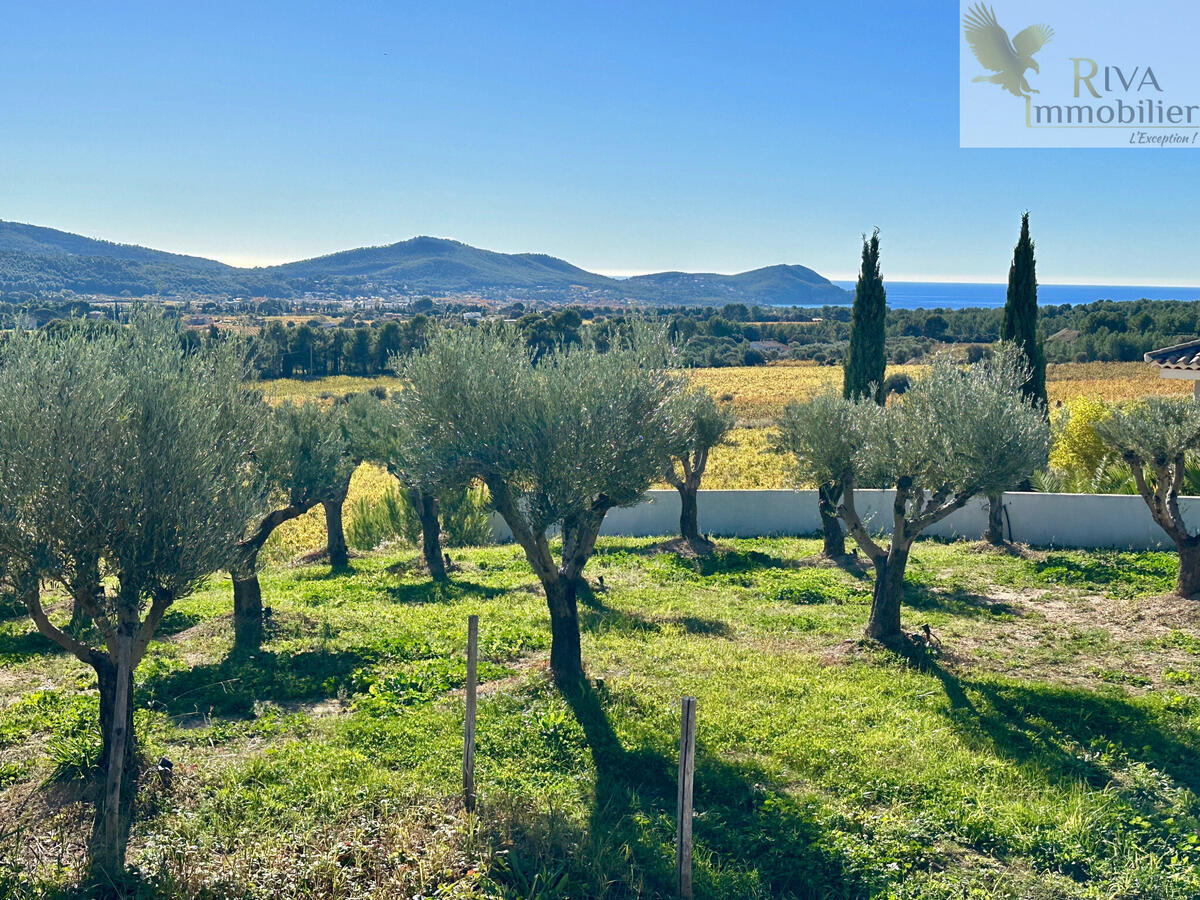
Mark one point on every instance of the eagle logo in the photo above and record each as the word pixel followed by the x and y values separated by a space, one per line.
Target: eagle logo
pixel 1008 59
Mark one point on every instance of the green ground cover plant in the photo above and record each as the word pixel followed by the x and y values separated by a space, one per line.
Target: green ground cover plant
pixel 1046 746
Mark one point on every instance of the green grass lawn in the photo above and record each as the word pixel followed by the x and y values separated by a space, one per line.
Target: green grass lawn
pixel 1050 749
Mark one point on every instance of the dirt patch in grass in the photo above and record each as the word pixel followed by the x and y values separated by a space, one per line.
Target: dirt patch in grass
pixel 1083 640
pixel 1019 551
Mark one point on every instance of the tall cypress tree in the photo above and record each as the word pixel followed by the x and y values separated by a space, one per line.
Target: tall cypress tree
pixel 866 360
pixel 862 375
pixel 1020 326
pixel 1021 314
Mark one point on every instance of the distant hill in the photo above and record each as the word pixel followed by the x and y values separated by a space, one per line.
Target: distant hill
pixel 35 260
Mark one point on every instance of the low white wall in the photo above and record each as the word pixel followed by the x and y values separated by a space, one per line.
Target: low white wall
pixel 1048 520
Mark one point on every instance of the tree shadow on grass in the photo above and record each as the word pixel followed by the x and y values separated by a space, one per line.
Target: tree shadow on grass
pixel 1109 569
pixel 596 615
pixel 420 592
pixel 743 820
pixel 26 645
pixel 955 600
pixel 1064 732
pixel 231 687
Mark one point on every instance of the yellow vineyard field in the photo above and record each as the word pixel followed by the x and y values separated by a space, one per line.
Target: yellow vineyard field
pixel 757 393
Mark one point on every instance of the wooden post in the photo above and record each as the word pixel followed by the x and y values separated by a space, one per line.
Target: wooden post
pixel 687 769
pixel 469 724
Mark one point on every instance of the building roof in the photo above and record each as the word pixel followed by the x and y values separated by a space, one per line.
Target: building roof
pixel 1181 357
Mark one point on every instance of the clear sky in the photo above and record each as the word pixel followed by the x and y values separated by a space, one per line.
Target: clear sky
pixel 624 137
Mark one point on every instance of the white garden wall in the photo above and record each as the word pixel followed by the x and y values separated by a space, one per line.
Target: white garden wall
pixel 1059 520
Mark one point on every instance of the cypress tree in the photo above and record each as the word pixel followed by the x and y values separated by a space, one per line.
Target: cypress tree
pixel 862 375
pixel 1020 314
pixel 1020 326
pixel 866 360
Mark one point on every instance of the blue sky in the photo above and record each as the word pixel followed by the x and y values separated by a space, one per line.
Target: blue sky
pixel 624 137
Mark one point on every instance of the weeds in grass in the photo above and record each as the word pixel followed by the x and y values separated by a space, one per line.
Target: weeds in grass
pixel 329 765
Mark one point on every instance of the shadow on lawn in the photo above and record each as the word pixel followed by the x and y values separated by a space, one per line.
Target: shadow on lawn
pixel 1139 571
pixel 429 591
pixel 1063 731
pixel 230 688
pixel 956 601
pixel 597 616
pixel 26 645
pixel 743 822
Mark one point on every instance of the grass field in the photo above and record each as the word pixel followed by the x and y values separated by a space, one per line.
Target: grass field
pixel 1051 750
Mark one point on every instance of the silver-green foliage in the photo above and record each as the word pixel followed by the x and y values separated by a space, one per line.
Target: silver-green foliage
pixel 1154 438
pixel 956 433
pixel 577 429
pixel 125 447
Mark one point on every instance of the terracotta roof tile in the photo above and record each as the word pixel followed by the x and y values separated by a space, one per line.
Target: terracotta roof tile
pixel 1181 356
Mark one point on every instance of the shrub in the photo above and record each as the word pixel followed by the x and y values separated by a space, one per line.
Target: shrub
pixel 373 522
pixel 1077 448
pixel 466 519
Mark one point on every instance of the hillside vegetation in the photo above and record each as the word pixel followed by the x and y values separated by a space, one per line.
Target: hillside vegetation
pixel 36 261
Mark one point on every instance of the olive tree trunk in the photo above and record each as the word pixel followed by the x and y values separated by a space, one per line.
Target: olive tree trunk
pixel 883 624
pixel 689 514
pixel 563 582
pixel 1163 500
pixel 828 498
pixel 247 592
pixel 688 486
pixel 247 606
pixel 127 642
pixel 114 812
pixel 995 527
pixel 335 541
pixel 426 506
pixel 1188 584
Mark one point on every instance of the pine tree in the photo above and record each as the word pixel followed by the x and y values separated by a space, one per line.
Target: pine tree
pixel 866 360
pixel 1020 314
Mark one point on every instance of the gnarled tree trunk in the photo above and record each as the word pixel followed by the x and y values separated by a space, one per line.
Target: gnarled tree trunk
pixel 247 606
pixel 1162 498
pixel 114 811
pixel 884 622
pixel 689 516
pixel 1188 584
pixel 566 655
pixel 828 498
pixel 247 592
pixel 426 506
pixel 335 541
pixel 995 528
pixel 688 486
pixel 561 582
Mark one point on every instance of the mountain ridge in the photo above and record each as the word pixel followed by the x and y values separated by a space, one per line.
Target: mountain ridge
pixel 38 260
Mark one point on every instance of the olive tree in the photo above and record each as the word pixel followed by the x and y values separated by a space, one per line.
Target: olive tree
pixel 303 459
pixel 357 415
pixel 558 443
pixel 705 425
pixel 379 434
pixel 1154 437
pixel 126 449
pixel 955 434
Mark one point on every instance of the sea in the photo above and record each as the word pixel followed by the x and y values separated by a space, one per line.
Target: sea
pixel 949 295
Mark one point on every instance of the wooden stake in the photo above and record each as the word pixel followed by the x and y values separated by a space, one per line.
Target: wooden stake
pixel 687 770
pixel 469 724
